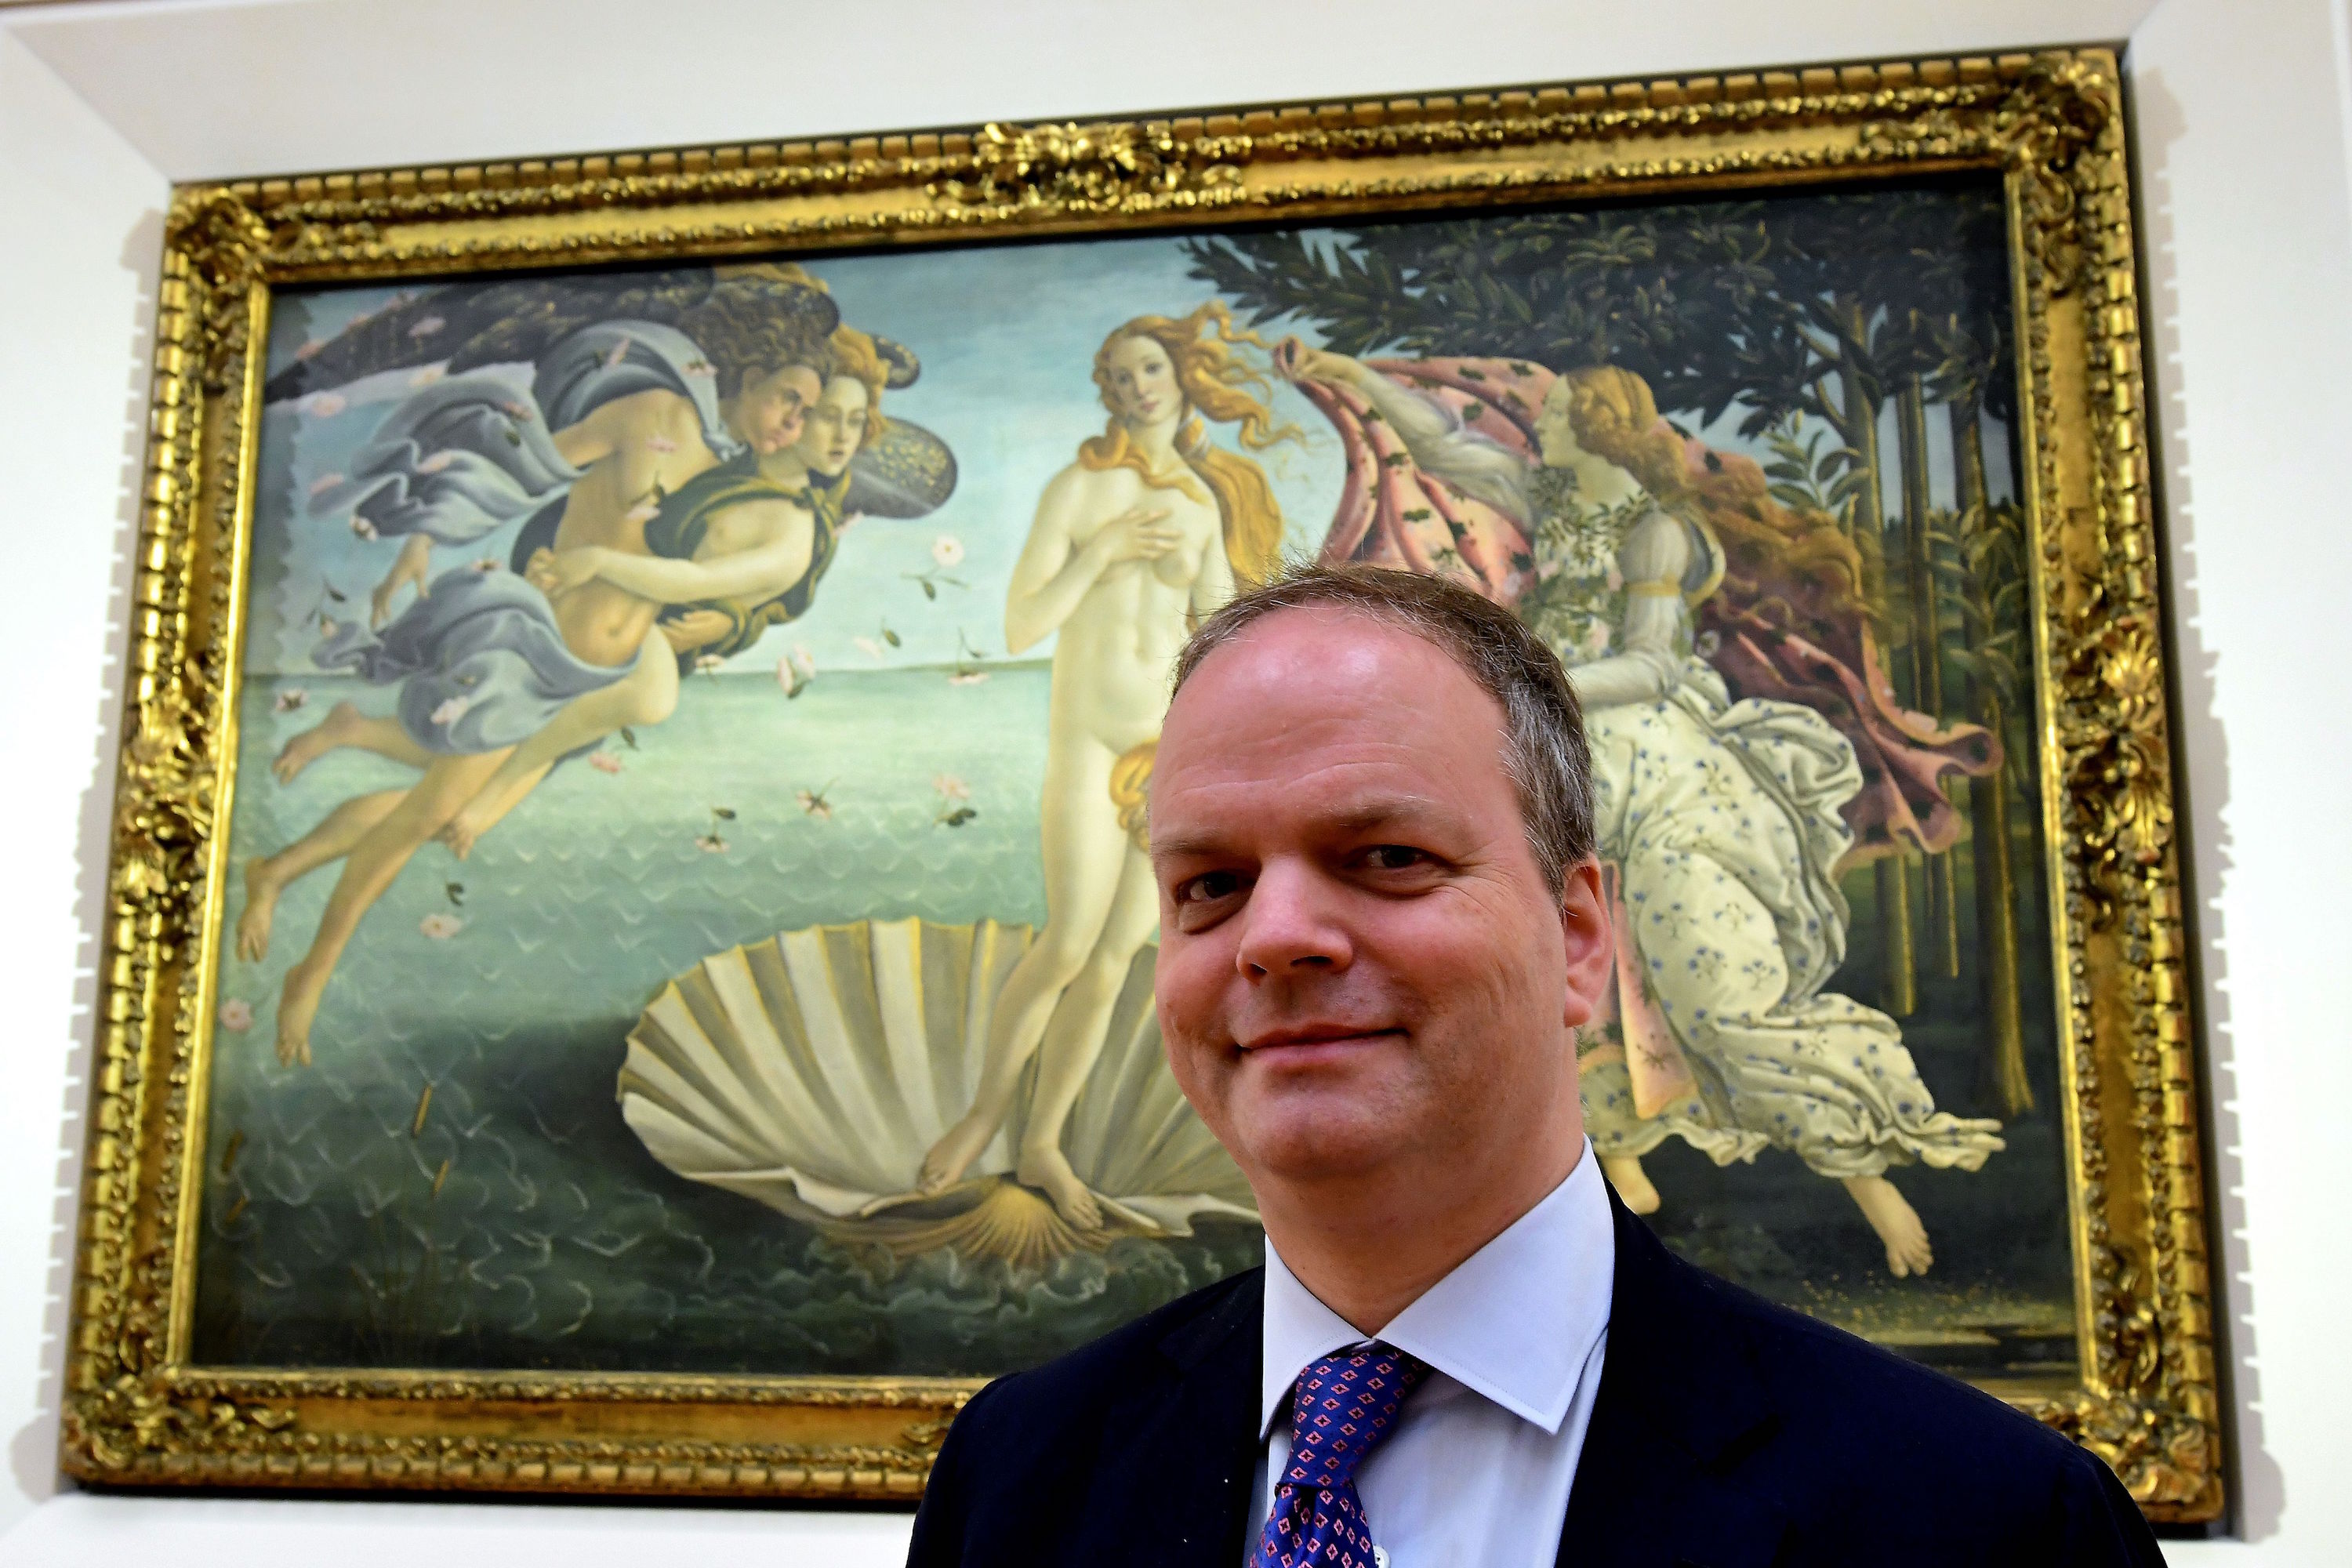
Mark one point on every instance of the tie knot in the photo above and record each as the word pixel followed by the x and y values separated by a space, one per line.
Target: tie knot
pixel 1341 1406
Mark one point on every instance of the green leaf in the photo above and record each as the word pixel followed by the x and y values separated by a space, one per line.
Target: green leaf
pixel 455 892
pixel 628 737
pixel 929 592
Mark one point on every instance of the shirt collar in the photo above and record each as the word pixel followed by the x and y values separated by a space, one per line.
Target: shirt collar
pixel 1515 1322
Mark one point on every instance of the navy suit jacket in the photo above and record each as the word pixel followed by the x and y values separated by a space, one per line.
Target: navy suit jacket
pixel 1727 1432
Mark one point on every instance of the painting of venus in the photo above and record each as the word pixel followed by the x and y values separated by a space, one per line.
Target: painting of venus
pixel 691 907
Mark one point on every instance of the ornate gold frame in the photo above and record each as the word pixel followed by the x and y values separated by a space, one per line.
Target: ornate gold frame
pixel 137 1413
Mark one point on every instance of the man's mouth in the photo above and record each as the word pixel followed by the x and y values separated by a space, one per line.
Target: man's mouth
pixel 1315 1039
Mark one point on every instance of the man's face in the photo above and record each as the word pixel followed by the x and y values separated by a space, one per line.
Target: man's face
pixel 769 413
pixel 1360 963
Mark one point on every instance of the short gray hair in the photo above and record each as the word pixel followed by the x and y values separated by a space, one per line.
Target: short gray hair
pixel 1544 749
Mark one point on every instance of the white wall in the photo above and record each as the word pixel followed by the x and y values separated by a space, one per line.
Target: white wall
pixel 2243 108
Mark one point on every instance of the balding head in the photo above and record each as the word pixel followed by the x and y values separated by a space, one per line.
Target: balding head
pixel 1544 746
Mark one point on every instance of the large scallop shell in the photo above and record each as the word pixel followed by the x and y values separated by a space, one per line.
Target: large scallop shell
pixel 813 1071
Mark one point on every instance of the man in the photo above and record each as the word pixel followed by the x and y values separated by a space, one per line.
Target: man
pixel 1381 927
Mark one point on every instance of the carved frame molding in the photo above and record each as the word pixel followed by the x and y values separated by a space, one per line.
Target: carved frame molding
pixel 137 1414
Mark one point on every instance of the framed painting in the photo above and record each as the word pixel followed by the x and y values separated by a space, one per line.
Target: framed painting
pixel 631 968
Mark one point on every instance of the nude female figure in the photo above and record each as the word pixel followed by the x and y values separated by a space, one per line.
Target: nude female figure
pixel 1132 545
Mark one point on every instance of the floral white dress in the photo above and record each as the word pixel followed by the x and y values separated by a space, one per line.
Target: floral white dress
pixel 1719 823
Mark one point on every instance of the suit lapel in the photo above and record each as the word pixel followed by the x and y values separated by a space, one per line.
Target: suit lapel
pixel 1677 1404
pixel 1173 1486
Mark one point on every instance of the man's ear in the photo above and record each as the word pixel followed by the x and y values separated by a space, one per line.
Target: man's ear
pixel 1591 948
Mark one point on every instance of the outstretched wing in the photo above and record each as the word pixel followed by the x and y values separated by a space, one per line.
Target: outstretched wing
pixel 468 325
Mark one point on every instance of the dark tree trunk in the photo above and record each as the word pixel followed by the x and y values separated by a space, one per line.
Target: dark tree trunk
pixel 1926 652
pixel 1898 989
pixel 1996 901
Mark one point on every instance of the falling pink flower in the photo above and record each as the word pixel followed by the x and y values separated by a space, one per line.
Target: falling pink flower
pixel 803 660
pixel 487 563
pixel 643 511
pixel 434 462
pixel 711 843
pixel 709 661
pixel 310 350
pixel 518 412
pixel 951 787
pixel 428 376
pixel 292 698
pixel 451 710
pixel 236 1014
pixel 967 678
pixel 440 927
pixel 660 444
pixel 324 405
pixel 363 527
pixel 868 646
pixel 699 367
pixel 426 327
pixel 324 483
pixel 948 550
pixel 815 804
pixel 604 762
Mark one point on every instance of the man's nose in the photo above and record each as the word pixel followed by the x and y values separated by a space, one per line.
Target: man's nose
pixel 1289 924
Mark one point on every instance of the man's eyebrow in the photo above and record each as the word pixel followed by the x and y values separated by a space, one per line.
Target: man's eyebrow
pixel 1374 814
pixel 1355 822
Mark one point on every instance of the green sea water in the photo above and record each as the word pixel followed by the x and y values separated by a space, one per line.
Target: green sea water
pixel 523 1224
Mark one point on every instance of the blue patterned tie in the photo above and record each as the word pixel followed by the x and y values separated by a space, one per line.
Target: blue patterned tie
pixel 1340 1408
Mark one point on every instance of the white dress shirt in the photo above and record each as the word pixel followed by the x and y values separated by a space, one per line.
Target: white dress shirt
pixel 1475 1473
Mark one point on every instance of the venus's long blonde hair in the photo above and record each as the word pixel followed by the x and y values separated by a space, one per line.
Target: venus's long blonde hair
pixel 1215 381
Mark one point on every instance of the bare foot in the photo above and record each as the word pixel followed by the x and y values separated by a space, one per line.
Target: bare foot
pixel 1634 1189
pixel 296 1005
pixel 952 1155
pixel 461 830
pixel 1896 1223
pixel 1046 1170
pixel 260 908
pixel 335 729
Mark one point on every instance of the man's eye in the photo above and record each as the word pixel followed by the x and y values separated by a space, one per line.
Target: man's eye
pixel 1393 857
pixel 1208 887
